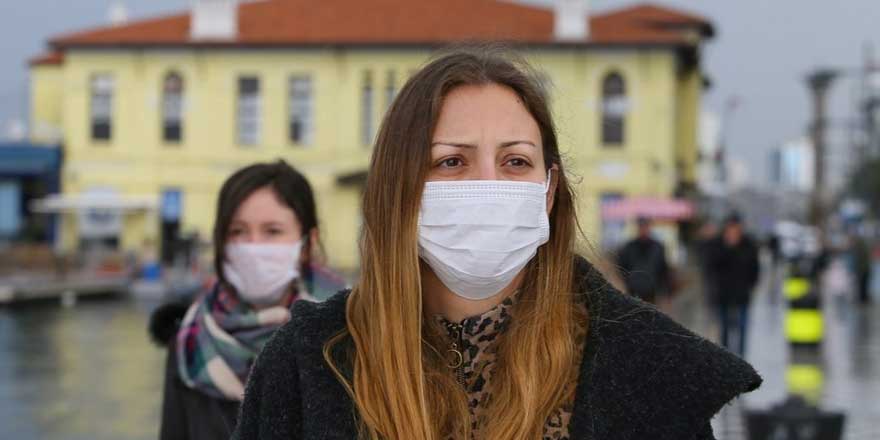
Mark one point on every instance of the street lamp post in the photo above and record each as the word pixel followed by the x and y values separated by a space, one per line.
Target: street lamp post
pixel 819 82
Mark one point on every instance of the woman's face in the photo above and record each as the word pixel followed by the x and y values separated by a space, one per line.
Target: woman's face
pixel 263 219
pixel 485 133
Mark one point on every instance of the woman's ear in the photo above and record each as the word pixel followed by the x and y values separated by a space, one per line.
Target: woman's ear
pixel 553 175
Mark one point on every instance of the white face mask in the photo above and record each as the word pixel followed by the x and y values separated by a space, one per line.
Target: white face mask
pixel 478 235
pixel 261 273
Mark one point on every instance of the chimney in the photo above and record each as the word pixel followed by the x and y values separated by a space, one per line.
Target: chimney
pixel 214 20
pixel 117 14
pixel 571 20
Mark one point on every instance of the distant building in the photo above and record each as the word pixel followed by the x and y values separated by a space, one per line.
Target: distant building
pixel 793 166
pixel 155 114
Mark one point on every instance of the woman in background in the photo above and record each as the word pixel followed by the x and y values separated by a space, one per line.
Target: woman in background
pixel 266 239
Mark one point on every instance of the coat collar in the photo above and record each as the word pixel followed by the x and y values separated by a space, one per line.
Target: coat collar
pixel 645 376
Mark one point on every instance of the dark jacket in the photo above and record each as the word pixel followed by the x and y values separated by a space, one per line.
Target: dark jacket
pixel 643 376
pixel 733 270
pixel 644 269
pixel 186 413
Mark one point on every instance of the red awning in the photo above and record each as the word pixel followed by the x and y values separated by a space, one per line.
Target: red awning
pixel 653 208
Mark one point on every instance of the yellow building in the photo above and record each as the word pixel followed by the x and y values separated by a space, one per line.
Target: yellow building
pixel 153 115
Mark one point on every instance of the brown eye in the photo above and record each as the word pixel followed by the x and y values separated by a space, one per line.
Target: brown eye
pixel 451 162
pixel 518 162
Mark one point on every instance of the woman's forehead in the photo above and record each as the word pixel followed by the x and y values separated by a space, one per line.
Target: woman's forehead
pixel 489 112
pixel 263 205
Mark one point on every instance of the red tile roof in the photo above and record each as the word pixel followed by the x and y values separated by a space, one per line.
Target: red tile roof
pixel 53 58
pixel 396 22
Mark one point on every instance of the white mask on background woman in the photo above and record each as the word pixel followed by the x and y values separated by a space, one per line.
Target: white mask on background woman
pixel 261 273
pixel 477 235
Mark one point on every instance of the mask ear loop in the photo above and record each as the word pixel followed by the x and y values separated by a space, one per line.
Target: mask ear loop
pixel 549 179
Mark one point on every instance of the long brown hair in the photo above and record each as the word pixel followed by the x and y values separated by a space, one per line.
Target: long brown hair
pixel 397 375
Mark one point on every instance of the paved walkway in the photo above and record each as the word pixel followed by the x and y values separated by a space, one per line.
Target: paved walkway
pixel 849 359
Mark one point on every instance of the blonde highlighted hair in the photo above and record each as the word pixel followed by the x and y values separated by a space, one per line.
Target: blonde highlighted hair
pixel 395 371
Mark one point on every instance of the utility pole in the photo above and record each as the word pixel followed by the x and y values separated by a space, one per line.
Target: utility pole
pixel 870 104
pixel 719 204
pixel 730 106
pixel 819 82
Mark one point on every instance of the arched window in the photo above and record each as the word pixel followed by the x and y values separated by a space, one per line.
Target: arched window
pixel 172 107
pixel 614 109
pixel 102 87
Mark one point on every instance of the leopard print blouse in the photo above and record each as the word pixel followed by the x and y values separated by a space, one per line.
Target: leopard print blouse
pixel 475 338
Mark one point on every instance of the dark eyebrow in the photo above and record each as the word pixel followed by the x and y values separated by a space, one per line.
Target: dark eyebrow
pixel 453 144
pixel 512 143
pixel 502 145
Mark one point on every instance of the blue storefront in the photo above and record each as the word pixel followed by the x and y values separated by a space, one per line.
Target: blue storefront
pixel 27 172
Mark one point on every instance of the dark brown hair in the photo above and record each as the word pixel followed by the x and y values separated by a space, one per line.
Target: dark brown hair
pixel 404 389
pixel 290 187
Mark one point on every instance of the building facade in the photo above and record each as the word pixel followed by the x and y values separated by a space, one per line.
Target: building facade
pixel 168 108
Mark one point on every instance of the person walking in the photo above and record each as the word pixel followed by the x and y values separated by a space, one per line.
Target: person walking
pixel 266 236
pixel 861 262
pixel 706 236
pixel 473 317
pixel 734 270
pixel 643 266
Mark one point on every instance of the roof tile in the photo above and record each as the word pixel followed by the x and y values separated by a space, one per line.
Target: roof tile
pixel 393 22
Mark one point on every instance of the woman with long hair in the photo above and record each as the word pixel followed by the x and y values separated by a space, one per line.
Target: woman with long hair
pixel 474 317
pixel 266 240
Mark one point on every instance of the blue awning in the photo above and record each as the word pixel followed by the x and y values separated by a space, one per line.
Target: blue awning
pixel 26 159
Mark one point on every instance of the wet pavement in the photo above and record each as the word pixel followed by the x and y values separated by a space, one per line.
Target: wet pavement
pixel 849 359
pixel 90 372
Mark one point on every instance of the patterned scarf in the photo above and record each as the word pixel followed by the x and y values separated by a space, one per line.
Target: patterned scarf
pixel 220 337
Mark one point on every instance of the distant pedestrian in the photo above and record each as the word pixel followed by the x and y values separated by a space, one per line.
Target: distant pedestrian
pixel 643 265
pixel 266 236
pixel 706 236
pixel 861 262
pixel 734 269
pixel 774 247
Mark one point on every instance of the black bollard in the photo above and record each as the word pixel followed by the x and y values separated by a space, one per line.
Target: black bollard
pixel 794 419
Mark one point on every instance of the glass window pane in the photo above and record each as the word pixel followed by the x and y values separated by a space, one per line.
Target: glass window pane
pixel 614 108
pixel 172 107
pixel 301 110
pixel 248 112
pixel 101 106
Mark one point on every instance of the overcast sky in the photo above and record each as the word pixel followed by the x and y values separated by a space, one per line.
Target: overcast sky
pixel 760 55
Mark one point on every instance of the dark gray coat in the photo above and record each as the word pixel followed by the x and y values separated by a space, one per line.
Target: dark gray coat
pixel 643 376
pixel 188 414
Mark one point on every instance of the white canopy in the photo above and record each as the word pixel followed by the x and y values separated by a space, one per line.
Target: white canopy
pixel 84 202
